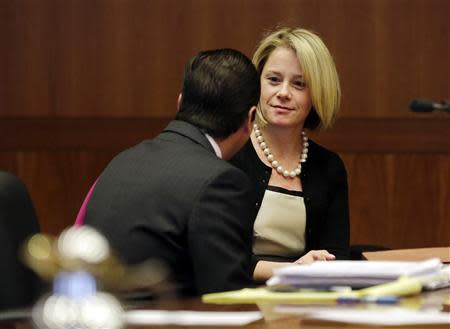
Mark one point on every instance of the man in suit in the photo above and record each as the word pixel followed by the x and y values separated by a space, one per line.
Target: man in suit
pixel 174 198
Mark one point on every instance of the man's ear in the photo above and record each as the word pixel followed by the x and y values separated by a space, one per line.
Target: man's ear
pixel 179 102
pixel 250 119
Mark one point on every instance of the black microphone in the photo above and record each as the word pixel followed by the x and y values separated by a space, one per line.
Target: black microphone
pixel 424 105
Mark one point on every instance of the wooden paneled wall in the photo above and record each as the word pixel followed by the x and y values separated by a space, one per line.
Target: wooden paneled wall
pixel 81 80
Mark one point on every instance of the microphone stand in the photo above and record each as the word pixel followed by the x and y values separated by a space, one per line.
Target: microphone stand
pixel 443 106
pixel 428 106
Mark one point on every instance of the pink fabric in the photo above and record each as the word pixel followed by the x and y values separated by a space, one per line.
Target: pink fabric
pixel 82 212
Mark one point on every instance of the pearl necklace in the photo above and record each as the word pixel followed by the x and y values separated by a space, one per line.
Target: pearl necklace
pixel 275 164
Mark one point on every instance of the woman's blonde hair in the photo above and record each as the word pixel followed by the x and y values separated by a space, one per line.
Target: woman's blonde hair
pixel 319 72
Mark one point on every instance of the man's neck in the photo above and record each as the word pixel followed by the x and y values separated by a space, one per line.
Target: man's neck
pixel 215 146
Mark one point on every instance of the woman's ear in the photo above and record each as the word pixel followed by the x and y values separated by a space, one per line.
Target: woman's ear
pixel 179 102
pixel 250 120
pixel 253 114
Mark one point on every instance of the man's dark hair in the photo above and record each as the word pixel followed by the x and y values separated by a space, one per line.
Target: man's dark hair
pixel 219 88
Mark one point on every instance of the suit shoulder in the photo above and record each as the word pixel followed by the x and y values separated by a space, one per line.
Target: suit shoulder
pixel 224 169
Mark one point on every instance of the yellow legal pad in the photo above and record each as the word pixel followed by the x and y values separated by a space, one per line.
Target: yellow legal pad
pixel 404 286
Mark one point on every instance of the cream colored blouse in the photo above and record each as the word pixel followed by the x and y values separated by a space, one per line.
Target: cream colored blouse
pixel 279 228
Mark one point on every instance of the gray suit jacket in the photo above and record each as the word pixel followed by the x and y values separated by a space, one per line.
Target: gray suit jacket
pixel 171 198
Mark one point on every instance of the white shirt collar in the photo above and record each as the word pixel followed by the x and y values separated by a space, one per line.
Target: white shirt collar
pixel 214 145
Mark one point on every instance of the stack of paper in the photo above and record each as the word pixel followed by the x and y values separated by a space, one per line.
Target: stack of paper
pixel 190 318
pixel 395 316
pixel 356 274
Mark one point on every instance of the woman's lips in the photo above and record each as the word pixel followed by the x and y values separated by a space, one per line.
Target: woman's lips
pixel 282 108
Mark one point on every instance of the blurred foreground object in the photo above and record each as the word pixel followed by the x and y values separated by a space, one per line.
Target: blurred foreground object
pixel 85 249
pixel 75 303
pixel 78 262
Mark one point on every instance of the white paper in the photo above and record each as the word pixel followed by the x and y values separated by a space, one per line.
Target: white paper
pixel 362 269
pixel 190 318
pixel 353 273
pixel 387 317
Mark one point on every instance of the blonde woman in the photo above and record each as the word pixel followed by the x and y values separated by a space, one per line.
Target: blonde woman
pixel 302 196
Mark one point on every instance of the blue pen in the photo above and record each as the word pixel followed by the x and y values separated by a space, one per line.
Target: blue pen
pixel 385 300
pixel 348 300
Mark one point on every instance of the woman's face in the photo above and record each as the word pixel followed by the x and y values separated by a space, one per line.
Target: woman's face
pixel 285 98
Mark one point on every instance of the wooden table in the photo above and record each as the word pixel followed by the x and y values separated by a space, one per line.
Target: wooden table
pixel 272 319
pixel 417 254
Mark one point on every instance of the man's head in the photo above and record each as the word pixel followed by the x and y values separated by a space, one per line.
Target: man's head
pixel 219 89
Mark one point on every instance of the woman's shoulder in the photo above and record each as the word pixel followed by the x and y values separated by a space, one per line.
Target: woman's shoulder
pixel 248 160
pixel 321 155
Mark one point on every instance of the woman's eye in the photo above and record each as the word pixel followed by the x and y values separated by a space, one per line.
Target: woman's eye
pixel 300 84
pixel 273 79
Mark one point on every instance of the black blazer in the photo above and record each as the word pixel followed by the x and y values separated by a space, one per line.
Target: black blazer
pixel 171 198
pixel 19 286
pixel 325 193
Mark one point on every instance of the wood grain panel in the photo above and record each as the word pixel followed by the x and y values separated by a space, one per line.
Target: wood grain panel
pixel 57 181
pixel 81 80
pixel 403 57
pixel 102 58
pixel 26 54
pixel 78 134
pixel 8 161
pixel 399 200
pixel 426 134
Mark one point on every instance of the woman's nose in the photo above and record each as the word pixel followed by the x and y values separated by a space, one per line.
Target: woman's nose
pixel 284 91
